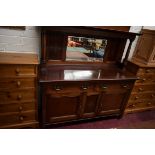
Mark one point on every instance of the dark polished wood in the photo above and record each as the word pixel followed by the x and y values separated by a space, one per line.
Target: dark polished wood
pixel 56 73
pixel 73 91
pixel 54 41
pixel 118 28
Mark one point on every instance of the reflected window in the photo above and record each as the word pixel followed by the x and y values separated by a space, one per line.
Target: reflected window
pixel 85 49
pixel 77 74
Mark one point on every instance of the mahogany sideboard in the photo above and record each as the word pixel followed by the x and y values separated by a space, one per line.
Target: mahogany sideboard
pixel 83 93
pixel 72 90
pixel 18 90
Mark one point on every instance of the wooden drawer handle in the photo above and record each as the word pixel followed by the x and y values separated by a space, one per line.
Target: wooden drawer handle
pixel 18 83
pixel 57 88
pixel 147 71
pixel 136 97
pixel 125 86
pixel 133 105
pixel 17 71
pixel 140 89
pixel 20 108
pixel 84 87
pixel 19 97
pixel 104 87
pixel 143 79
pixel 149 103
pixel 152 95
pixel 21 118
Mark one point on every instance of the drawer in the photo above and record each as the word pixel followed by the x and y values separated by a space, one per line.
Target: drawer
pixel 18 107
pixel 17 96
pixel 59 88
pixel 143 88
pixel 17 118
pixel 143 104
pixel 141 96
pixel 122 86
pixel 145 79
pixel 146 71
pixel 17 83
pixel 17 70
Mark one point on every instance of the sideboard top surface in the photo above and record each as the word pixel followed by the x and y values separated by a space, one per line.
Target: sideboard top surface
pixel 56 74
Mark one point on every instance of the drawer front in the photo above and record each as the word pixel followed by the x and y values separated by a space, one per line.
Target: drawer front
pixel 141 96
pixel 19 107
pixel 109 87
pixel 143 88
pixel 61 88
pixel 17 118
pixel 17 70
pixel 17 96
pixel 17 83
pixel 142 104
pixel 146 78
pixel 146 71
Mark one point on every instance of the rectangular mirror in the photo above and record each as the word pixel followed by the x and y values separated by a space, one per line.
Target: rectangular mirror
pixel 85 49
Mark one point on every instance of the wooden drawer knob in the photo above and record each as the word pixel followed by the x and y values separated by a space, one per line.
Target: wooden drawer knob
pixel 17 71
pixel 133 105
pixel 125 86
pixel 19 97
pixel 18 83
pixel 149 103
pixel 136 97
pixel 21 118
pixel 144 80
pixel 20 108
pixel 140 89
pixel 57 88
pixel 152 95
pixel 147 71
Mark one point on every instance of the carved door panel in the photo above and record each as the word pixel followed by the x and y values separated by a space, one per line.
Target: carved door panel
pixel 62 107
pixel 91 104
pixel 112 102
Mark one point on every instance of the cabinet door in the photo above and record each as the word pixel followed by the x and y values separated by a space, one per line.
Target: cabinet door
pixel 112 102
pixel 91 103
pixel 62 107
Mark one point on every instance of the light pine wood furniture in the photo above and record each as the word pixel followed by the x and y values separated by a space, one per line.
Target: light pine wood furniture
pixel 145 49
pixel 143 94
pixel 143 66
pixel 18 90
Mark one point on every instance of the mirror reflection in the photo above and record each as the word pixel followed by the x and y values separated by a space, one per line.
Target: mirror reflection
pixel 85 49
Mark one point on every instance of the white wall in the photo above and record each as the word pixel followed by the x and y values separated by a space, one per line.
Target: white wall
pixel 149 27
pixel 28 40
pixel 135 29
pixel 16 40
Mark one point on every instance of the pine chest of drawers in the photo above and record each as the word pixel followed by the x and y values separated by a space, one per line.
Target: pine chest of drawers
pixel 143 94
pixel 18 85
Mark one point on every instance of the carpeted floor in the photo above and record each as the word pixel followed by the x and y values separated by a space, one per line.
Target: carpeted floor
pixel 141 120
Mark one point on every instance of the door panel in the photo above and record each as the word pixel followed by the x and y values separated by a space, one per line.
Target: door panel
pixel 91 105
pixel 63 107
pixel 111 102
